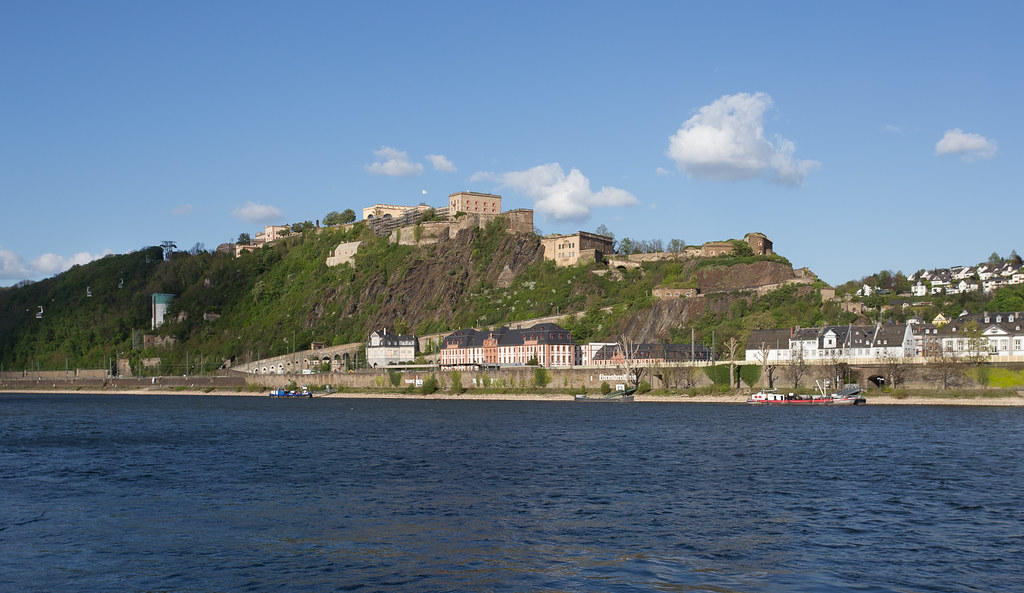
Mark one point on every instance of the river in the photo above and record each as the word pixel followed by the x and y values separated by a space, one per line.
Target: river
pixel 192 493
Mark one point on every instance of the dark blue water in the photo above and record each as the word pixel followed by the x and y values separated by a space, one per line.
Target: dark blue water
pixel 178 493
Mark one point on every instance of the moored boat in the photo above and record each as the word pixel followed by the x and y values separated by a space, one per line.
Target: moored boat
pixel 848 396
pixel 290 393
pixel 622 395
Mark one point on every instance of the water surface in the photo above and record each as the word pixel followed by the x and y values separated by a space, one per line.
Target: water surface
pixel 183 493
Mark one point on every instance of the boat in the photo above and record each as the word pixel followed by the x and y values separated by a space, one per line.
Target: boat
pixel 290 393
pixel 622 395
pixel 849 395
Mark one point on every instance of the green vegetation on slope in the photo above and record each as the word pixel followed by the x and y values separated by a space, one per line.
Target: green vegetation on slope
pixel 284 296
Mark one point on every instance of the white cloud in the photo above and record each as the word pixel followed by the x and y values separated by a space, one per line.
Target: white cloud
pixel 394 162
pixel 253 212
pixel 182 210
pixel 441 163
pixel 969 146
pixel 11 265
pixel 725 141
pixel 662 171
pixel 51 263
pixel 560 196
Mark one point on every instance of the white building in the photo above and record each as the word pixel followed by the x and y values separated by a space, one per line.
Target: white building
pixel 846 342
pixel 383 349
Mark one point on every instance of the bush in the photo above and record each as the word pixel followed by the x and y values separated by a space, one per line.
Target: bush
pixel 541 377
pixel 395 377
pixel 430 385
pixel 719 374
pixel 983 375
pixel 644 387
pixel 605 388
pixel 457 387
pixel 750 373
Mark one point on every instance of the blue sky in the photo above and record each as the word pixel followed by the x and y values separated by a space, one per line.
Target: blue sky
pixel 858 136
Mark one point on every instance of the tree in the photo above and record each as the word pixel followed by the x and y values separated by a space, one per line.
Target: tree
pixel 946 368
pixel 168 247
pixel 732 345
pixel 348 216
pixel 977 344
pixel 994 260
pixel 629 352
pixel 836 367
pixel 332 218
pixel 895 367
pixel 676 246
pixel 244 239
pixel 604 232
pixel 767 368
pixel 796 369
pixel 626 246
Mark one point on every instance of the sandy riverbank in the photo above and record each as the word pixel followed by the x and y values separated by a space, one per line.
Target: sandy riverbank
pixel 873 399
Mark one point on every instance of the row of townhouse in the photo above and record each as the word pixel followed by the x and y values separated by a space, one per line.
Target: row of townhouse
pixel 960 279
pixel 849 342
pixel 550 345
pixel 986 334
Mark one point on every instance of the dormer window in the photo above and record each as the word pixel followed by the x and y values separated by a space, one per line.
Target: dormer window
pixel 999 318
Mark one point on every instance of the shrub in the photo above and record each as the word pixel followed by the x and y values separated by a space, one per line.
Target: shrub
pixel 984 375
pixel 457 387
pixel 750 373
pixel 644 387
pixel 395 377
pixel 719 374
pixel 605 388
pixel 541 377
pixel 430 385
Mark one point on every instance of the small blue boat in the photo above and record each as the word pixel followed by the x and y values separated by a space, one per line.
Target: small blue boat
pixel 290 393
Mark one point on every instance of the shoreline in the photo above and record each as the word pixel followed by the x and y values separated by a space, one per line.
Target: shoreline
pixel 881 399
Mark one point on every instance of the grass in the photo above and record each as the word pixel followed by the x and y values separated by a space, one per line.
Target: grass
pixel 1002 378
pixel 949 394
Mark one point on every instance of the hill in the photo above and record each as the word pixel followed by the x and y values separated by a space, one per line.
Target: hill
pixel 284 296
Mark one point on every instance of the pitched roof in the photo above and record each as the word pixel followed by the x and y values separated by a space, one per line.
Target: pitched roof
pixel 542 333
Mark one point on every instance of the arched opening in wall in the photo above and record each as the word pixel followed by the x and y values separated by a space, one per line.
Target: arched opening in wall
pixel 877 380
pixel 337 364
pixel 346 361
pixel 280 368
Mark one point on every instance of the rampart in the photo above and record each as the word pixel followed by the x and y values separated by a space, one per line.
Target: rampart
pixel 519 221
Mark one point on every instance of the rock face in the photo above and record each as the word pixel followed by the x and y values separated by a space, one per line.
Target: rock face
pixel 743 276
pixel 716 283
pixel 441 273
